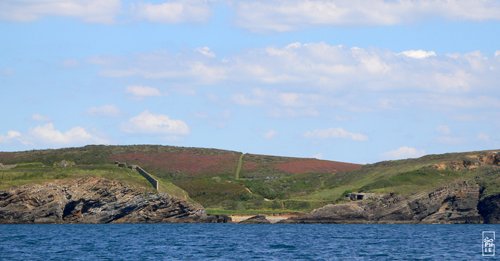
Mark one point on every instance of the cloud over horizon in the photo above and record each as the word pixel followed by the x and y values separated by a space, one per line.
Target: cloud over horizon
pixel 159 124
pixel 335 133
pixel 281 15
pixel 142 91
pixel 404 152
pixel 104 110
pixel 318 72
pixel 173 11
pixel 259 15
pixel 351 80
pixel 94 11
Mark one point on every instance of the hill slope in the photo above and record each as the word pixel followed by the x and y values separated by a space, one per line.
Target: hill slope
pixel 230 182
pixel 208 176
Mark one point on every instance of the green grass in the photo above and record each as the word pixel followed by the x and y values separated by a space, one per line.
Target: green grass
pixel 490 181
pixel 408 182
pixel 402 177
pixel 214 191
pixel 37 173
pixel 166 186
pixel 28 173
pixel 261 190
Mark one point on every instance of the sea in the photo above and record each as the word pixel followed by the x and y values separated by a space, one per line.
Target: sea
pixel 245 242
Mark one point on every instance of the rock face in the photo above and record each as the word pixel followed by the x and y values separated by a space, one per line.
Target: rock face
pixel 473 162
pixel 455 203
pixel 258 219
pixel 94 200
pixel 489 208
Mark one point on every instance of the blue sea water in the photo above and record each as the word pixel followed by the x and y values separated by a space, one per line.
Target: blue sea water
pixel 241 242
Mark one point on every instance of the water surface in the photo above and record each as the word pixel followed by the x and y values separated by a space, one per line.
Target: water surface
pixel 241 242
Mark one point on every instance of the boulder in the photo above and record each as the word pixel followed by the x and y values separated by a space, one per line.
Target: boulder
pixel 258 219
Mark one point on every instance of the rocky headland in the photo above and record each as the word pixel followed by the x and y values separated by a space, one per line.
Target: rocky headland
pixel 448 188
pixel 95 200
pixel 457 203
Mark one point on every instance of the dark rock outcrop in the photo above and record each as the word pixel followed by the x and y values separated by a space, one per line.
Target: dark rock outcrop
pixel 455 203
pixel 489 208
pixel 258 219
pixel 218 219
pixel 94 200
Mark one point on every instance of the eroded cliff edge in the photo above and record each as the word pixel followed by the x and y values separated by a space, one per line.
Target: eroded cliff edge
pixel 95 200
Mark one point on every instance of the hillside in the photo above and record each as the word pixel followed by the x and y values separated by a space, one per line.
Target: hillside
pixel 228 182
pixel 218 179
pixel 447 188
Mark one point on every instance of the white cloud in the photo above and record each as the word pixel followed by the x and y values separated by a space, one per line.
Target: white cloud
pixel 207 73
pixel 461 102
pixel 281 104
pixel 318 156
pixel 149 123
pixel 39 117
pixel 289 99
pixel 270 134
pixel 143 91
pixel 174 11
pixel 404 152
pixel 418 54
pixel 206 52
pixel 318 65
pixel 190 67
pixel 299 77
pixel 10 136
pixel 286 15
pixel 497 53
pixel 257 15
pixel 96 11
pixel 48 134
pixel 335 133
pixel 104 110
pixel 333 67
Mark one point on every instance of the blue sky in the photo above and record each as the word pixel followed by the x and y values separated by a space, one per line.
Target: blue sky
pixel 357 81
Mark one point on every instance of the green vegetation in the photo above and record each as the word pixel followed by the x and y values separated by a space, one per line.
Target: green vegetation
pixel 490 181
pixel 36 172
pixel 227 182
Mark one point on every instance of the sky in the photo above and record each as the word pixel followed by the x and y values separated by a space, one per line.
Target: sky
pixel 356 81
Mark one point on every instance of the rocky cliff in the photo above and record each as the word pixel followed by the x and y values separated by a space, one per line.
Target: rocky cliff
pixel 455 203
pixel 94 200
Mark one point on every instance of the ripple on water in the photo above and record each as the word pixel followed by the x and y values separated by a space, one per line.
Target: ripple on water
pixel 234 242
